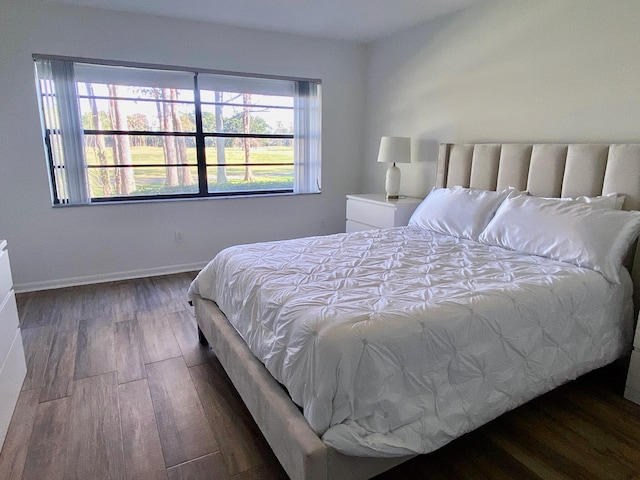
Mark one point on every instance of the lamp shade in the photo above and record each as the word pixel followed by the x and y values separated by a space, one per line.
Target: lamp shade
pixel 395 150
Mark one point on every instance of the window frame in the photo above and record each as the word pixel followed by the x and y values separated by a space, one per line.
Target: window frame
pixel 199 134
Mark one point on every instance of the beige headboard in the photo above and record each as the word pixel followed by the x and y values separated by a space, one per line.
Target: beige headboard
pixel 547 170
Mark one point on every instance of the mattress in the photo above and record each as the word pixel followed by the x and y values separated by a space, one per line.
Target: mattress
pixel 396 341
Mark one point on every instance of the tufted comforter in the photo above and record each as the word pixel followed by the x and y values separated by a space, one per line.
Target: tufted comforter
pixel 397 341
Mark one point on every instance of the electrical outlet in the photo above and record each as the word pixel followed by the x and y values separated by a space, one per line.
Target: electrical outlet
pixel 179 237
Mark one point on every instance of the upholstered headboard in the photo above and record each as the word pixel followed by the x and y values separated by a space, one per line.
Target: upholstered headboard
pixel 544 170
pixel 548 170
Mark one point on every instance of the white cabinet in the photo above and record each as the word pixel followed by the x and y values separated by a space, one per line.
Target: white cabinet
pixel 632 390
pixel 12 365
pixel 365 212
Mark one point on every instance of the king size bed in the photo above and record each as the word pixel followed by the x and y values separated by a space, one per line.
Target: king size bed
pixel 355 352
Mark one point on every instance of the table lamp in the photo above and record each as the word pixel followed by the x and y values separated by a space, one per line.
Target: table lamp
pixel 394 150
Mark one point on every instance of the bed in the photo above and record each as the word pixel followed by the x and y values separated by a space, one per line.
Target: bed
pixel 389 430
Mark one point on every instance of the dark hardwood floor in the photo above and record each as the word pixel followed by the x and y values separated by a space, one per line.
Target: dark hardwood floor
pixel 118 387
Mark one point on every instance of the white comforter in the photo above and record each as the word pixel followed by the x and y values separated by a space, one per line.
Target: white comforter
pixel 397 341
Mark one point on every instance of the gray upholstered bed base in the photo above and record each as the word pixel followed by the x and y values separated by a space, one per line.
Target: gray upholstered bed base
pixel 551 170
pixel 302 454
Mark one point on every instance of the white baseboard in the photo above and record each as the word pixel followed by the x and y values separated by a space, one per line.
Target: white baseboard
pixel 106 277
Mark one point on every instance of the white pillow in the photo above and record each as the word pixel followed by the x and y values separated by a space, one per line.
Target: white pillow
pixel 457 211
pixel 576 233
pixel 612 201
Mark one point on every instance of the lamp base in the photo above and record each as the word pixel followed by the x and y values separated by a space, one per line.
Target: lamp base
pixel 392 197
pixel 392 182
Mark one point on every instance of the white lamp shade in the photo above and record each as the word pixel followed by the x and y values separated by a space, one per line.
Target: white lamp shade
pixel 395 150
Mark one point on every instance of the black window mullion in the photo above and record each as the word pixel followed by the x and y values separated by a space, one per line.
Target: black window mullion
pixel 162 133
pixel 266 136
pixel 139 133
pixel 200 146
pixel 144 165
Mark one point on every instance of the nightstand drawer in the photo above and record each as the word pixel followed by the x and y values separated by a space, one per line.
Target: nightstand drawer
pixel 376 211
pixel 353 226
pixel 370 214
pixel 8 325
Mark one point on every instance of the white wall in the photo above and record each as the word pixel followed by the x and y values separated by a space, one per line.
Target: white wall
pixel 505 71
pixel 53 247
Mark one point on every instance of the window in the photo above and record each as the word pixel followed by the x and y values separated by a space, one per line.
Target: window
pixel 117 132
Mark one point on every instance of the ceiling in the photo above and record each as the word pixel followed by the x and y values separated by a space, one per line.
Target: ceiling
pixel 356 20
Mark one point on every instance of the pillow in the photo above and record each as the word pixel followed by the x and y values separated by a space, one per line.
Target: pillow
pixel 571 232
pixel 457 211
pixel 611 201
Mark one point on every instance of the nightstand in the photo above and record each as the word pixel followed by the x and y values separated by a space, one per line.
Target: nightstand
pixel 12 363
pixel 632 390
pixel 366 212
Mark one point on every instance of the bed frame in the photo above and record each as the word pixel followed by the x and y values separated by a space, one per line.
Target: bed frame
pixel 549 170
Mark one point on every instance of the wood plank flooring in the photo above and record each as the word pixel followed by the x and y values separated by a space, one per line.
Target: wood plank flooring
pixel 118 387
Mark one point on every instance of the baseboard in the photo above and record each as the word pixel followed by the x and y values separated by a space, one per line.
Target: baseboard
pixel 106 277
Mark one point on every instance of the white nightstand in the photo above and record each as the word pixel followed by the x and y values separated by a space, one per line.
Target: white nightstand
pixel 632 390
pixel 365 212
pixel 12 364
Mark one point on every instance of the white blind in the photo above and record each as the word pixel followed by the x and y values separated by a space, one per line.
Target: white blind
pixel 59 99
pixel 308 126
